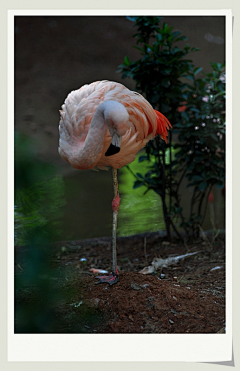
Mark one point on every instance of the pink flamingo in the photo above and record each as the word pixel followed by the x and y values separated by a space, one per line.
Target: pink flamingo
pixel 105 124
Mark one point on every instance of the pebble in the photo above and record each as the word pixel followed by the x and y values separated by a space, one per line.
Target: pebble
pixel 135 286
pixel 165 243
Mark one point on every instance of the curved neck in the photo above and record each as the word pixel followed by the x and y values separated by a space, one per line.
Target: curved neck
pixel 88 155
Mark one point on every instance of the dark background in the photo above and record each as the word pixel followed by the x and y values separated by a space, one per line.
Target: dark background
pixel 55 55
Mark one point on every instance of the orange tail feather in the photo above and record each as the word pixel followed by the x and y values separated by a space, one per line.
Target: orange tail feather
pixel 162 125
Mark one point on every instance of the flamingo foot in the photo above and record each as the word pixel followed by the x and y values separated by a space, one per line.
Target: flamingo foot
pixel 110 278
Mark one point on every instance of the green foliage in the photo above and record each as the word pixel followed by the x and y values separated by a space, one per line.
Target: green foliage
pixel 39 196
pixel 38 207
pixel 159 72
pixel 45 294
pixel 38 201
pixel 134 214
pixel 201 147
pixel 202 131
pixel 159 76
pixel 167 78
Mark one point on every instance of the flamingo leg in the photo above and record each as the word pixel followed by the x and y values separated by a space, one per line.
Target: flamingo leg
pixel 113 277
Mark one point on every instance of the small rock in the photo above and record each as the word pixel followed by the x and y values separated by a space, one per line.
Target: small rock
pixel 170 321
pixel 165 243
pixel 215 268
pixel 76 305
pixel 96 302
pixel 150 298
pixel 135 286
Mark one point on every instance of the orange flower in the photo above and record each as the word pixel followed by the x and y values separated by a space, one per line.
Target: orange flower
pixel 182 108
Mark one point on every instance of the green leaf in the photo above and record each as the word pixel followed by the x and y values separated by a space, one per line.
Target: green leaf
pixel 203 185
pixel 190 77
pixel 142 158
pixel 214 136
pixel 182 38
pixel 126 60
pixel 220 185
pixel 167 71
pixel 138 47
pixel 198 159
pixel 132 19
pixel 178 210
pixel 165 83
pixel 197 70
pixel 137 184
pixel 164 107
pixel 197 177
pixel 185 115
pixel 194 109
pixel 165 27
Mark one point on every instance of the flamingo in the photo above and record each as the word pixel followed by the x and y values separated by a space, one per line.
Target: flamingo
pixel 105 124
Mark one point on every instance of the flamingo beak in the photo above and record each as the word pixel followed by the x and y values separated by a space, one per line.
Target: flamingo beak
pixel 115 145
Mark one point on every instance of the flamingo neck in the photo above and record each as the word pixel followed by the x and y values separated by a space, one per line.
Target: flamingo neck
pixel 88 155
pixel 107 116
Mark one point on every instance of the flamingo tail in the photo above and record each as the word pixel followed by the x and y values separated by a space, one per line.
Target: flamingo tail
pixel 162 125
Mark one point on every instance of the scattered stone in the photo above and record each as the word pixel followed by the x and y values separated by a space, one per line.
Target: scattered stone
pixel 215 268
pixel 136 286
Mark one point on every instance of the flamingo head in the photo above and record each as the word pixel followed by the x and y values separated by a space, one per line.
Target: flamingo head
pixel 116 118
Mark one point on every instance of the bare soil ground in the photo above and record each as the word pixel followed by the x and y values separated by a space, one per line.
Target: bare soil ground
pixel 187 297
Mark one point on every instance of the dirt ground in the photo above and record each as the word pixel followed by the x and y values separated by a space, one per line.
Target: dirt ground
pixel 185 297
